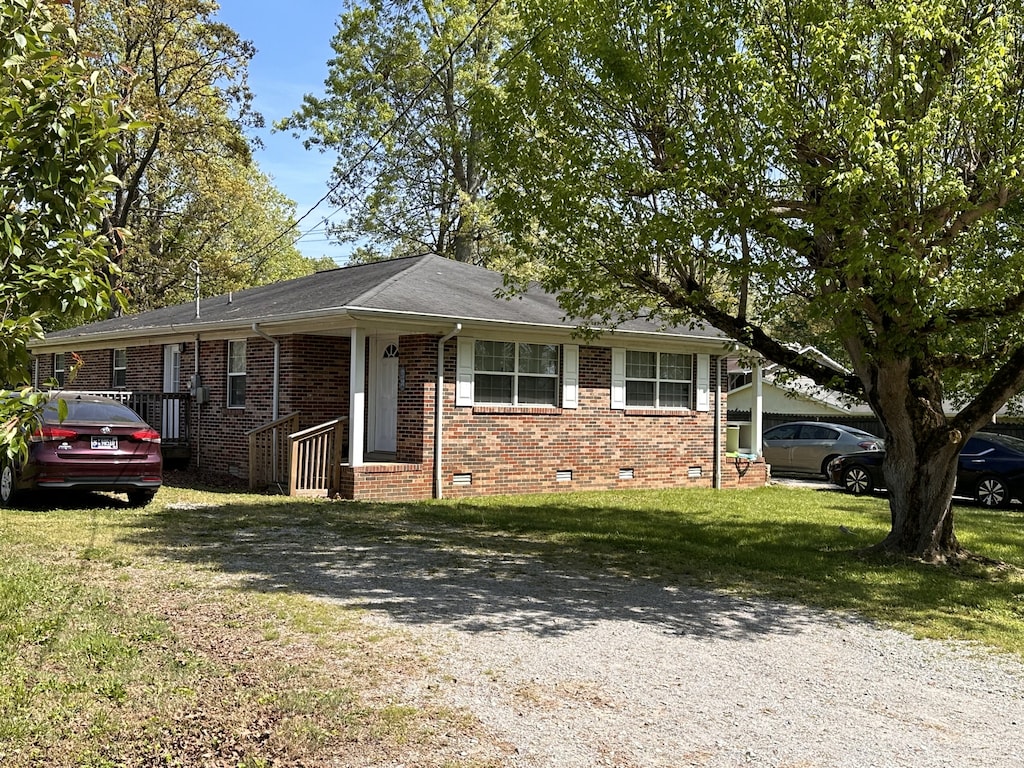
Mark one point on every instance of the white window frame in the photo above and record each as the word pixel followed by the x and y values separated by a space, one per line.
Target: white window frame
pixel 699 381
pixel 233 374
pixel 122 368
pixel 566 374
pixel 59 371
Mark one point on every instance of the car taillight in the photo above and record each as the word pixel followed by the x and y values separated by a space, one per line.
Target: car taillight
pixel 48 433
pixel 146 436
pixel 868 445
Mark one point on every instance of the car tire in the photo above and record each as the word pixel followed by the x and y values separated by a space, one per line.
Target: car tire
pixel 992 492
pixel 8 484
pixel 140 498
pixel 857 480
pixel 824 465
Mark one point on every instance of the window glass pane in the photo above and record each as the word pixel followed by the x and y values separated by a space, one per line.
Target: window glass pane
pixel 674 394
pixel 641 365
pixel 536 390
pixel 489 388
pixel 675 367
pixel 538 358
pixel 640 393
pixel 236 391
pixel 499 356
pixel 58 368
pixel 236 357
pixel 120 358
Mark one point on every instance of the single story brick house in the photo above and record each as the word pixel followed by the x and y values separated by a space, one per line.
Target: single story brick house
pixel 410 379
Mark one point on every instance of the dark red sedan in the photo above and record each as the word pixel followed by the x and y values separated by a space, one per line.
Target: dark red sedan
pixel 101 445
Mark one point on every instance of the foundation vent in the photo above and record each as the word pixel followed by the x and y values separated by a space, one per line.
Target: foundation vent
pixel 563 475
pixel 464 478
pixel 626 473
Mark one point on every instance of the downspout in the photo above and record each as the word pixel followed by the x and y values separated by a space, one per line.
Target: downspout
pixel 277 366
pixel 718 425
pixel 199 408
pixel 438 406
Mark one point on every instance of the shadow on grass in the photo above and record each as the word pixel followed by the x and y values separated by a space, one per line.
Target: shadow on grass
pixel 548 567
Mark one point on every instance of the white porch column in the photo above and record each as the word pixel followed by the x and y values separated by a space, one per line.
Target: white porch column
pixel 357 397
pixel 757 411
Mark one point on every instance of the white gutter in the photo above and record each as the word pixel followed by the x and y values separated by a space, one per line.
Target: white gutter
pixel 277 367
pixel 438 407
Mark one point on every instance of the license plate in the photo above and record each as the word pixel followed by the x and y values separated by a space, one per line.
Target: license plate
pixel 104 443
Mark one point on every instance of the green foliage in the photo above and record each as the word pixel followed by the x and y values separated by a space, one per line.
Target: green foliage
pixel 59 126
pixel 409 177
pixel 191 192
pixel 857 163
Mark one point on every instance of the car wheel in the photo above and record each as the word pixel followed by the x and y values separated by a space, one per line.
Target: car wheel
pixel 8 484
pixel 824 465
pixel 992 492
pixel 140 498
pixel 857 481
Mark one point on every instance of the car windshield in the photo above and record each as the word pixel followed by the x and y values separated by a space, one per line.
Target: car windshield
pixel 90 412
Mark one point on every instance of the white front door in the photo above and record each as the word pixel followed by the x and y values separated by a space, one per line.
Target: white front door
pixel 170 428
pixel 385 409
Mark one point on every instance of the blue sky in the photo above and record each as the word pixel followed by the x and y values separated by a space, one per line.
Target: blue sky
pixel 292 39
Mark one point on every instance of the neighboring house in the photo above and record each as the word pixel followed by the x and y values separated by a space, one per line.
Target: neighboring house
pixel 785 392
pixel 344 366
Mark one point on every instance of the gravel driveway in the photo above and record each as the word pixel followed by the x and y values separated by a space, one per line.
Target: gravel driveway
pixel 574 669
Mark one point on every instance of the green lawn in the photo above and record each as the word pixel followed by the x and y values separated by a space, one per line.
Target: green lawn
pixel 158 637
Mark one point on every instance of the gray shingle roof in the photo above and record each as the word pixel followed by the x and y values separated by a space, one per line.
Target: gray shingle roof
pixel 421 286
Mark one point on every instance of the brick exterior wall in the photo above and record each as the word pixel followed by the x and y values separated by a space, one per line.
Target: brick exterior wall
pixel 502 450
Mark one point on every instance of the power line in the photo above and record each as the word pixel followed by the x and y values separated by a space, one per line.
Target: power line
pixel 380 139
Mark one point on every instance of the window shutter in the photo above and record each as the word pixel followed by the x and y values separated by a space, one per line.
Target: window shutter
pixel 570 376
pixel 703 383
pixel 618 378
pixel 464 371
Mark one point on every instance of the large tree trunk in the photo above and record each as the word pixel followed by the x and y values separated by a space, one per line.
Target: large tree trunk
pixel 922 449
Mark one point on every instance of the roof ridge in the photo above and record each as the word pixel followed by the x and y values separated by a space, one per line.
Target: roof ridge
pixel 415 262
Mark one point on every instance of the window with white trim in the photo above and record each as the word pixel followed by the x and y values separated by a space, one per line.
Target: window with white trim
pixel 119 377
pixel 515 373
pixel 658 380
pixel 236 374
pixel 58 368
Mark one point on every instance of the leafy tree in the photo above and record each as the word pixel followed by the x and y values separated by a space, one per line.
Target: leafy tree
pixel 190 188
pixel 59 127
pixel 724 161
pixel 409 176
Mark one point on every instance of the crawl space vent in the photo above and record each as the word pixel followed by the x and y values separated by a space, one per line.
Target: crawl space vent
pixel 563 475
pixel 626 473
pixel 694 472
pixel 465 478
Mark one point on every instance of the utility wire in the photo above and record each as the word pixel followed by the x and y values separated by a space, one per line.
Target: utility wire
pixel 380 139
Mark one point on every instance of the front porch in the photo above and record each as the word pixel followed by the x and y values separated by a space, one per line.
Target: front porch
pixel 316 462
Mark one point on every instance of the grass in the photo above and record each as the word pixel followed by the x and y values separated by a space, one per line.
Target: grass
pixel 196 631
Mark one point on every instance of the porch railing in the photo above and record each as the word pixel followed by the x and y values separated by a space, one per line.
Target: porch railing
pixel 315 459
pixel 269 451
pixel 169 412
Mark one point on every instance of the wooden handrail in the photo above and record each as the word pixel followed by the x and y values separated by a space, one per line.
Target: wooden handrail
pixel 268 451
pixel 315 459
pixel 271 425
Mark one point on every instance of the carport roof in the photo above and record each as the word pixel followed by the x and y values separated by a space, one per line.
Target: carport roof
pixel 428 288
